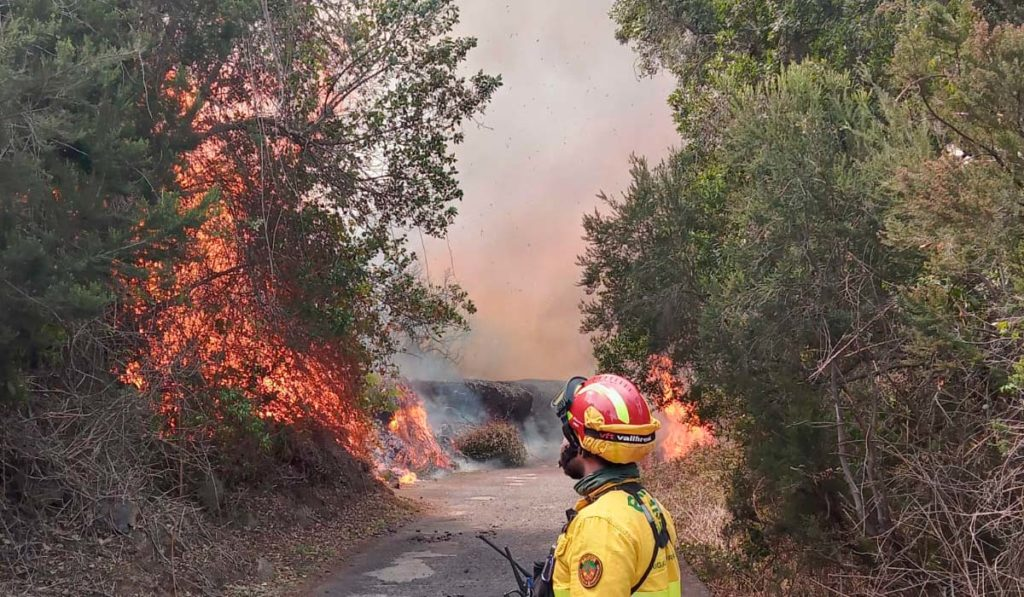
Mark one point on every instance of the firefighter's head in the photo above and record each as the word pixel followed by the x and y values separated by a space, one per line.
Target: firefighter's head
pixel 604 418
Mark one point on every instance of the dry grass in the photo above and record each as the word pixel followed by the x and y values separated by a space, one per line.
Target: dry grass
pixel 693 489
pixel 94 501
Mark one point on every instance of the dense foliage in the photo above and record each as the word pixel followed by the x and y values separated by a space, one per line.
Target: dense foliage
pixel 79 178
pixel 332 125
pixel 834 254
pixel 203 219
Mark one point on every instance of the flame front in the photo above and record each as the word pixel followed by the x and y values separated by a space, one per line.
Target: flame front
pixel 682 430
pixel 219 329
pixel 414 446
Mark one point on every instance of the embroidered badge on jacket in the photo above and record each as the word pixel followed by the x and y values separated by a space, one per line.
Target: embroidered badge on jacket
pixel 590 570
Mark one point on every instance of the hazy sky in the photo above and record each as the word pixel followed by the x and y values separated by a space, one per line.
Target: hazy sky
pixel 559 131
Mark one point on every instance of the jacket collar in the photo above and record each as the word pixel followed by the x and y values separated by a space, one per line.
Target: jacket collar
pixel 591 497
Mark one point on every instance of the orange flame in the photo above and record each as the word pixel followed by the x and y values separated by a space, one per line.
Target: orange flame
pixel 418 449
pixel 679 434
pixel 682 430
pixel 219 327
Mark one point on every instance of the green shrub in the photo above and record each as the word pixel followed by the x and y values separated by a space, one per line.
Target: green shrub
pixel 497 440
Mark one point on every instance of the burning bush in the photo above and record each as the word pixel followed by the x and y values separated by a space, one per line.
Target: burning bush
pixel 496 440
pixel 408 446
pixel 228 254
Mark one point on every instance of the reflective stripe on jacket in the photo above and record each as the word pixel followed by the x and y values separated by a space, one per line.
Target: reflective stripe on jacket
pixel 605 549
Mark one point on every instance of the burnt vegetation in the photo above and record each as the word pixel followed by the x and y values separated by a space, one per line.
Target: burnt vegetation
pixel 201 264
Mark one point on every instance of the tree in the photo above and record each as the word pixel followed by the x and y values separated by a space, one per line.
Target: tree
pixel 650 261
pixel 324 129
pixel 763 273
pixel 708 43
pixel 76 177
pixel 847 301
pixel 958 212
pixel 328 129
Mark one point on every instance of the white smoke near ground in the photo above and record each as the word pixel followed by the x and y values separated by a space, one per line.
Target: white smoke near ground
pixel 433 365
pixel 541 446
pixel 466 465
pixel 542 431
pixel 438 366
pixel 454 405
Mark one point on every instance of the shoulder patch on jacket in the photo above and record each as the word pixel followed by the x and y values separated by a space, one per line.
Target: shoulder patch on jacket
pixel 590 570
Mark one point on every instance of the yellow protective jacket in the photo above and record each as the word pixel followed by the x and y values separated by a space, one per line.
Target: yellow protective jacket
pixel 607 546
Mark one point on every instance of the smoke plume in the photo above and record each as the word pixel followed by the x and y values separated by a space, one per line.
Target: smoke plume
pixel 562 128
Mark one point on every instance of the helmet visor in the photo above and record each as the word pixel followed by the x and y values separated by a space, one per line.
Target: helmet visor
pixel 563 400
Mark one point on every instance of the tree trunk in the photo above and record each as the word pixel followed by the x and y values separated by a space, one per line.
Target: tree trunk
pixel 879 500
pixel 841 444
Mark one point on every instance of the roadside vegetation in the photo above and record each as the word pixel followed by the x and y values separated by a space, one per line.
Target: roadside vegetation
pixel 199 272
pixel 833 256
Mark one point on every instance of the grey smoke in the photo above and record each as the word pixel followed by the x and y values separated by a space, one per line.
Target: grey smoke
pixel 562 128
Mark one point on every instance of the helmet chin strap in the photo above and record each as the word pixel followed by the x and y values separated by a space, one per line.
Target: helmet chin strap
pixel 574 442
pixel 571 451
pixel 561 404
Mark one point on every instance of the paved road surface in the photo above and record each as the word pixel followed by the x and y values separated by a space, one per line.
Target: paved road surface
pixel 440 556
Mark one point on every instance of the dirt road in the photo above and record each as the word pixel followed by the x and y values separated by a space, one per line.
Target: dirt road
pixel 440 556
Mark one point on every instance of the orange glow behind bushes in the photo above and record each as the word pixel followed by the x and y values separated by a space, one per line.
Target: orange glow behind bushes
pixel 417 448
pixel 219 326
pixel 682 430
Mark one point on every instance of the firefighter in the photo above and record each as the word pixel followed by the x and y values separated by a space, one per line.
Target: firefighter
pixel 618 541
